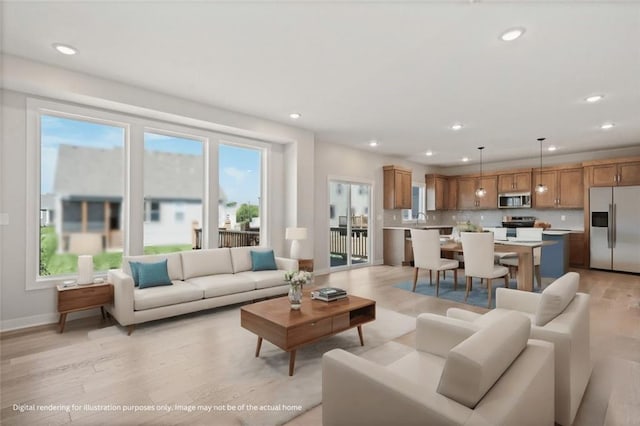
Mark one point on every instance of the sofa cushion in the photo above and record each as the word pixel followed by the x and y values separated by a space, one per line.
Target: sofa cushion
pixel 241 257
pixel 264 279
pixel 473 366
pixel 174 263
pixel 152 274
pixel 556 297
pixel 222 284
pixel 155 297
pixel 263 260
pixel 199 263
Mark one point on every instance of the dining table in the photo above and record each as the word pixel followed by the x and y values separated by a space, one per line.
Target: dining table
pixel 523 249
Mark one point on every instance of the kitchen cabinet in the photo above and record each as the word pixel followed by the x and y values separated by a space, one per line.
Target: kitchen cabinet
pixel 514 182
pixel 397 248
pixel 615 174
pixel 437 187
pixel 452 193
pixel 397 187
pixel 576 249
pixel 565 188
pixel 467 198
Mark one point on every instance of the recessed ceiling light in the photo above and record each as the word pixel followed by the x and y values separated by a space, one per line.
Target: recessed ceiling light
pixel 607 126
pixel 295 115
pixel 512 34
pixel 594 98
pixel 551 148
pixel 428 153
pixel 65 49
pixel 465 159
pixel 456 126
pixel 373 143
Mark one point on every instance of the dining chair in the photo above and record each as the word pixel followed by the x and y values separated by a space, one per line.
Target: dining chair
pixel 478 253
pixel 500 234
pixel 526 234
pixel 426 255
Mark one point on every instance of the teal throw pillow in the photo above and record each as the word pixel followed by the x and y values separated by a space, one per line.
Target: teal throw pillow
pixel 153 274
pixel 263 261
pixel 134 272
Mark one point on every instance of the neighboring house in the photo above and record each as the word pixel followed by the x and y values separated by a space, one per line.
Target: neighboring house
pixel 89 200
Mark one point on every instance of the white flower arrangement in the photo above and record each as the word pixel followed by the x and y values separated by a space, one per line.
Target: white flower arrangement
pixel 297 277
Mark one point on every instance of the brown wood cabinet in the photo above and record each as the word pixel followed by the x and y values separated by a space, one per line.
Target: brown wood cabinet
pixel 467 198
pixel 514 182
pixel 565 188
pixel 452 193
pixel 576 250
pixel 615 174
pixel 397 187
pixel 437 192
pixel 80 298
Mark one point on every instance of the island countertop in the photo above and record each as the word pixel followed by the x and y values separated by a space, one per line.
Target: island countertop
pixel 407 228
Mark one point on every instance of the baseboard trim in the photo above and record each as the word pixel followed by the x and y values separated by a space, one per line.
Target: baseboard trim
pixel 42 319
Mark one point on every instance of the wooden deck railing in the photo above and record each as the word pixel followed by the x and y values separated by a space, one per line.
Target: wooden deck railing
pixel 359 242
pixel 228 238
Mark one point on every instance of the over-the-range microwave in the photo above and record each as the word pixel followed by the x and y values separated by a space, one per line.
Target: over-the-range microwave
pixel 514 200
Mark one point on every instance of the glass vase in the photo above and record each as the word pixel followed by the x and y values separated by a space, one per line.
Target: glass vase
pixel 295 296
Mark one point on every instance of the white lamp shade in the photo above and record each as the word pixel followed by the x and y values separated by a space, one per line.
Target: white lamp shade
pixel 85 269
pixel 296 234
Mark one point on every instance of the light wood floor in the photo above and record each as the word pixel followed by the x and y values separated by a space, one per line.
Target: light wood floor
pixel 615 335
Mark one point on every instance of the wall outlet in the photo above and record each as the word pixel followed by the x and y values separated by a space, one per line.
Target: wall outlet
pixel 563 218
pixel 481 217
pixel 453 217
pixel 4 218
pixel 395 217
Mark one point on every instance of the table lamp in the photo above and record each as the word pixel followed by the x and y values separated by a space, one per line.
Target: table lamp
pixel 295 235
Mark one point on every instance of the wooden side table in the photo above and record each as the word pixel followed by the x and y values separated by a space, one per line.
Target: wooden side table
pixel 305 265
pixel 80 298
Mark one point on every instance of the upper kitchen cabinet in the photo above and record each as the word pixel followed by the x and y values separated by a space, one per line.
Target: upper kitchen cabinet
pixel 397 187
pixel 514 182
pixel 565 188
pixel 437 192
pixel 613 172
pixel 467 198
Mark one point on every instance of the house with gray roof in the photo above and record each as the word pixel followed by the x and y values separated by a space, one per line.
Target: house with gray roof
pixel 89 186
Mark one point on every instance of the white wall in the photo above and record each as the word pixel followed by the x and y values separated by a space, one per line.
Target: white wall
pixel 290 152
pixel 337 161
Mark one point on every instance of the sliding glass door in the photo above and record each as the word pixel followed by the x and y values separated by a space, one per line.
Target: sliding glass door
pixel 349 207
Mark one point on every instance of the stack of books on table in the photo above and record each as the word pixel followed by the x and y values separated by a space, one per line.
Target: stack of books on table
pixel 329 294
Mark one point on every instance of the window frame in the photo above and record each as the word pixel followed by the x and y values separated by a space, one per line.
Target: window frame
pixel 133 192
pixel 407 214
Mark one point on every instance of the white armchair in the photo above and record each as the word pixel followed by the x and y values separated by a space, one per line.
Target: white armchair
pixel 459 374
pixel 558 315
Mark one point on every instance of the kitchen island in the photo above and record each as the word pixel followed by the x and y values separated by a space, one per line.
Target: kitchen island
pixel 397 248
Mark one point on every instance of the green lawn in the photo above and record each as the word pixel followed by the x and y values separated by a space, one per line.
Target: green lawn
pixel 53 263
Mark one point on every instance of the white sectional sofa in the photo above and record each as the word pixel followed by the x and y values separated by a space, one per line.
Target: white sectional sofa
pixel 201 279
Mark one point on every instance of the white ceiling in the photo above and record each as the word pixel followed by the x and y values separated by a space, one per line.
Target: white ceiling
pixel 400 73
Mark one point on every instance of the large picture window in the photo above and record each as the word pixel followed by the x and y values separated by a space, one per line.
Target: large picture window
pixel 81 193
pixel 107 184
pixel 240 176
pixel 173 192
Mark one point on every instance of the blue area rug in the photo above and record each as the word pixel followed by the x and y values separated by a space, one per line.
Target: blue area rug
pixel 477 296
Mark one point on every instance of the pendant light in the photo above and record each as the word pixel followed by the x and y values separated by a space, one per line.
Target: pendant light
pixel 481 192
pixel 540 188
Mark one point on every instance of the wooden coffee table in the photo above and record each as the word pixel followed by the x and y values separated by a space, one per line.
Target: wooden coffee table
pixel 289 329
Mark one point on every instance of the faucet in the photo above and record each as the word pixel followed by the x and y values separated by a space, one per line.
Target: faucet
pixel 418 218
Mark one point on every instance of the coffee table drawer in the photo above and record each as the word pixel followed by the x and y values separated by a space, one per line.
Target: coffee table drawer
pixel 309 331
pixel 341 322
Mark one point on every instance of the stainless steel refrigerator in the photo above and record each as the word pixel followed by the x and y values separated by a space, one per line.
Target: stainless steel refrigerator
pixel 615 228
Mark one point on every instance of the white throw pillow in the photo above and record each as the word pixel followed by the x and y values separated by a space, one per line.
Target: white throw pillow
pixel 556 297
pixel 476 364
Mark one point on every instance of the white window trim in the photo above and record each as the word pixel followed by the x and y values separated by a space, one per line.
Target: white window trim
pixel 35 109
pixel 134 127
pixel 423 191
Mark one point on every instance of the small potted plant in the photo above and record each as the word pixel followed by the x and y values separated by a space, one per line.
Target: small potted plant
pixel 296 280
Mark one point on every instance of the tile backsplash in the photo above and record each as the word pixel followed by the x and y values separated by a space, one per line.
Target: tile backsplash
pixel 571 219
